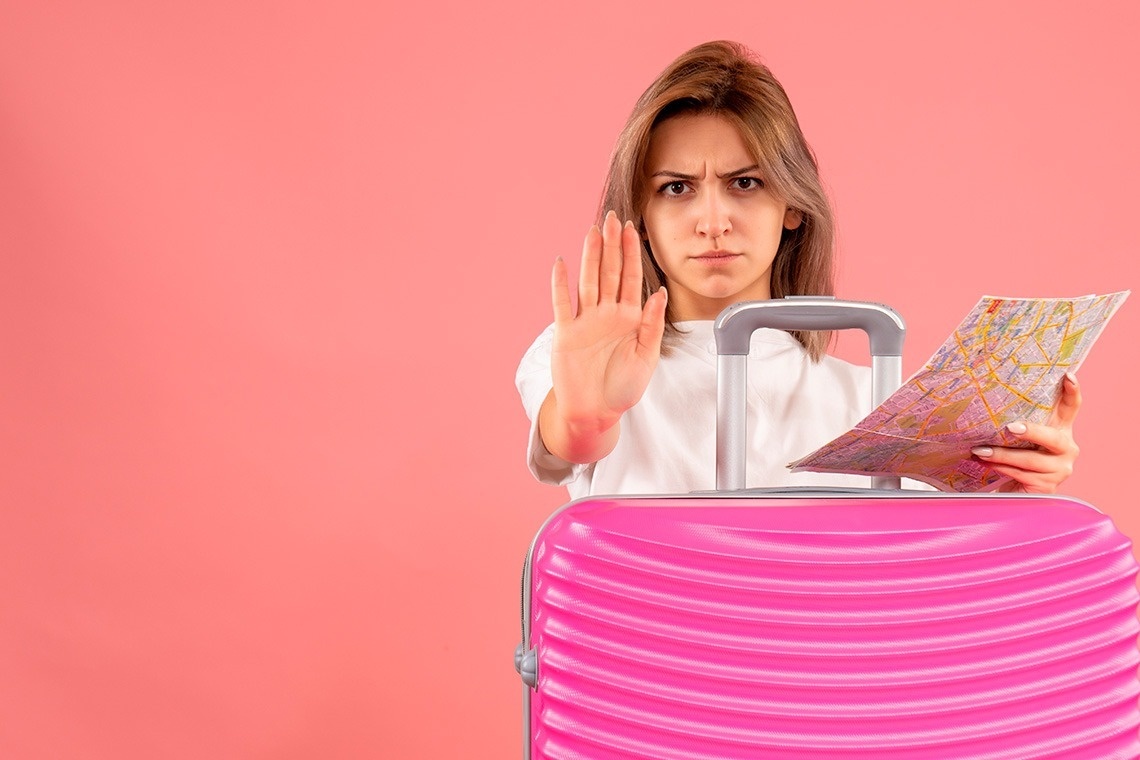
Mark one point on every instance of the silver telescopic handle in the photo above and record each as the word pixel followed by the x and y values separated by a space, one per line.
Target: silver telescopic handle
pixel 733 330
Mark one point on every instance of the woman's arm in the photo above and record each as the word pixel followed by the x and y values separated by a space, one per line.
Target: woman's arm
pixel 602 357
pixel 1042 469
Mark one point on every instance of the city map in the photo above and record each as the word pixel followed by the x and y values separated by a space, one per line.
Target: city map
pixel 1003 363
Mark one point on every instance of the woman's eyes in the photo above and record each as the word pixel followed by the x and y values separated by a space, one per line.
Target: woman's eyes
pixel 678 188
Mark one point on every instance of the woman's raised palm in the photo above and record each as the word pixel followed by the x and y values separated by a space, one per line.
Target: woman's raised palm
pixel 603 356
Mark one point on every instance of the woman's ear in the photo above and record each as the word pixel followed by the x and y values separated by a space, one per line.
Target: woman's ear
pixel 793 218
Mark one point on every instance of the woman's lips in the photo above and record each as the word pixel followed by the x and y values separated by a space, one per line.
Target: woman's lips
pixel 716 257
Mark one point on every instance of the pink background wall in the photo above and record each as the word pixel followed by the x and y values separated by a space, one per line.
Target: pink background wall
pixel 247 512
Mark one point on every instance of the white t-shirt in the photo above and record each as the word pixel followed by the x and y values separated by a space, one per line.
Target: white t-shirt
pixel 668 439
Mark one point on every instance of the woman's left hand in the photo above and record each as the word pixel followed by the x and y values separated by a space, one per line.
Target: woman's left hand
pixel 1040 469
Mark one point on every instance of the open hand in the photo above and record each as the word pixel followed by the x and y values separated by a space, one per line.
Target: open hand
pixel 603 357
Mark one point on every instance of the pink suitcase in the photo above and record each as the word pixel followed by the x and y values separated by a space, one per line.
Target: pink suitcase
pixel 827 624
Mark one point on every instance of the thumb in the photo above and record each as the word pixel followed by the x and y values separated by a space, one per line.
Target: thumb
pixel 1069 403
pixel 652 327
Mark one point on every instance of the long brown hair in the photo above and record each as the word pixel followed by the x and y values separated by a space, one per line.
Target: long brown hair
pixel 726 79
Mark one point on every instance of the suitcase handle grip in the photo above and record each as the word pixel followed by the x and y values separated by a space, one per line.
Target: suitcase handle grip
pixel 733 332
pixel 734 327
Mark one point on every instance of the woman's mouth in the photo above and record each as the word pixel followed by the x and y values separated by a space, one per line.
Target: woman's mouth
pixel 716 257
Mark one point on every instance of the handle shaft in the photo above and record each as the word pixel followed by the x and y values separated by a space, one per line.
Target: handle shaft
pixel 733 331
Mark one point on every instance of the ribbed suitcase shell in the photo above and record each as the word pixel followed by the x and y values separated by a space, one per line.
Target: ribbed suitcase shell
pixel 897 625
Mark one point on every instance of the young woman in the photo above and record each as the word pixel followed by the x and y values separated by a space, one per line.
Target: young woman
pixel 722 203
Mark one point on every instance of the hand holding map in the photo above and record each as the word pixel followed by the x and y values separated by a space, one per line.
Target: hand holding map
pixel 1003 363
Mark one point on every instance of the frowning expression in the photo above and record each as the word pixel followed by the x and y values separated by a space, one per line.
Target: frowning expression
pixel 713 224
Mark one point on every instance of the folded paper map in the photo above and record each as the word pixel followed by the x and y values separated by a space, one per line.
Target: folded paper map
pixel 1004 363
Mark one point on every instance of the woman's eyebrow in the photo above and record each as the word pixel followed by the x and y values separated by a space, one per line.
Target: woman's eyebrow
pixel 738 172
pixel 729 175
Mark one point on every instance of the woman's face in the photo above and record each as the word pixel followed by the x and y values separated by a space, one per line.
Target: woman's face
pixel 713 225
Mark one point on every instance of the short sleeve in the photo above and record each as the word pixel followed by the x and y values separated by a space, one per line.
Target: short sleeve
pixel 534 382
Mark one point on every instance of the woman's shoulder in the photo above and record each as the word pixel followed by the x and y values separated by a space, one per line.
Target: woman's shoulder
pixel 842 366
pixel 855 379
pixel 532 378
pixel 539 349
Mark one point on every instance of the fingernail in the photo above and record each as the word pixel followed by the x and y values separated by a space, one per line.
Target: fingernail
pixel 628 224
pixel 1071 377
pixel 1017 428
pixel 982 451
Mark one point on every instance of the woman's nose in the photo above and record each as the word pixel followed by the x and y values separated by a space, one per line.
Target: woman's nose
pixel 714 219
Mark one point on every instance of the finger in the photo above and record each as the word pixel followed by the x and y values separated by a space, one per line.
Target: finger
pixel 610 268
pixel 1029 460
pixel 652 327
pixel 630 265
pixel 1054 439
pixel 560 292
pixel 588 274
pixel 1069 403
